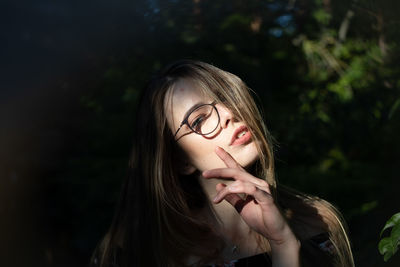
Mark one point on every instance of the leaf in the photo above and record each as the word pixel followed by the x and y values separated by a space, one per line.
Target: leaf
pixel 322 16
pixel 391 222
pixel 395 234
pixel 385 245
pixel 388 246
pixel 387 256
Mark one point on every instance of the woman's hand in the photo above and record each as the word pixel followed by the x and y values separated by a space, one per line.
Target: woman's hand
pixel 258 209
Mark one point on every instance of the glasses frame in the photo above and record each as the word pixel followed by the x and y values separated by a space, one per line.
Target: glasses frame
pixel 185 120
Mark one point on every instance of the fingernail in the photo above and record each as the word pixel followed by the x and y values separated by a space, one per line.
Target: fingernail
pixel 215 198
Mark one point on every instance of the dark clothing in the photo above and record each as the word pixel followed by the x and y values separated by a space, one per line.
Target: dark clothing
pixel 317 251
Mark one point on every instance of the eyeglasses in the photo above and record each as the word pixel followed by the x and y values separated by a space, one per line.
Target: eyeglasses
pixel 203 119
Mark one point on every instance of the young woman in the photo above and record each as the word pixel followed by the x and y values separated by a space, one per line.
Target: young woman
pixel 201 189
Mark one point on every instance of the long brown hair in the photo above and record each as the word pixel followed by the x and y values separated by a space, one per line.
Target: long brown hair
pixel 155 222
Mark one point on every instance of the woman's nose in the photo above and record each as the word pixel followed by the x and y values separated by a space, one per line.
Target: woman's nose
pixel 225 115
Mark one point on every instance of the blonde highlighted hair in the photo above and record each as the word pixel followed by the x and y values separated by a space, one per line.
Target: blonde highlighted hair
pixel 156 210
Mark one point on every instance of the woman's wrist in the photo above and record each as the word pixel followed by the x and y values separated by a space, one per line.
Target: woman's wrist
pixel 286 252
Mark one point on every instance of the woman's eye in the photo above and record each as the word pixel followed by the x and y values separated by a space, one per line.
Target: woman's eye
pixel 196 124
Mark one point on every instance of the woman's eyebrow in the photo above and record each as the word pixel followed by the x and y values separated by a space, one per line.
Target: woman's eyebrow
pixel 198 104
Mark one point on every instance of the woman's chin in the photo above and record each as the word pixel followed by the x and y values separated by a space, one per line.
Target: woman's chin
pixel 248 156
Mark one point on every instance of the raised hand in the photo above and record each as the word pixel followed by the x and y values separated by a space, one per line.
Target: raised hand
pixel 258 208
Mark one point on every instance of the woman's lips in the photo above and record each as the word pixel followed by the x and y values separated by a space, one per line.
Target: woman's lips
pixel 243 139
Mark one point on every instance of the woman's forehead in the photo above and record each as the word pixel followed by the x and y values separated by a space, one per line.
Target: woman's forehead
pixel 181 97
pixel 183 94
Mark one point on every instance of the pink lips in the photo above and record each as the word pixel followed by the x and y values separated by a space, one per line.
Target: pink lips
pixel 235 141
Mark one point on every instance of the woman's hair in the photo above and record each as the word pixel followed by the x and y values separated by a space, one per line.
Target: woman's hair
pixel 156 222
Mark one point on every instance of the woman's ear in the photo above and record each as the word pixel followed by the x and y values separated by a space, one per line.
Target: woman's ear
pixel 181 161
pixel 186 168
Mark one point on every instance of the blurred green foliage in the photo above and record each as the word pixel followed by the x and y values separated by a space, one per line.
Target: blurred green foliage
pixel 326 75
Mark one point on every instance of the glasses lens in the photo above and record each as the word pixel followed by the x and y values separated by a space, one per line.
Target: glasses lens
pixel 203 120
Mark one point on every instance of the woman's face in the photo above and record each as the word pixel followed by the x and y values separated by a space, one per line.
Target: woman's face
pixel 231 134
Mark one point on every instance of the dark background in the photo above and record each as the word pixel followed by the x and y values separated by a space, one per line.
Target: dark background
pixel 326 74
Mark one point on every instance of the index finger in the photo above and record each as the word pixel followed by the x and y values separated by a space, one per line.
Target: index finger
pixel 238 175
pixel 229 161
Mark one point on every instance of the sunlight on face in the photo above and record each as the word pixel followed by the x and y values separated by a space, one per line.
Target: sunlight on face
pixel 231 134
